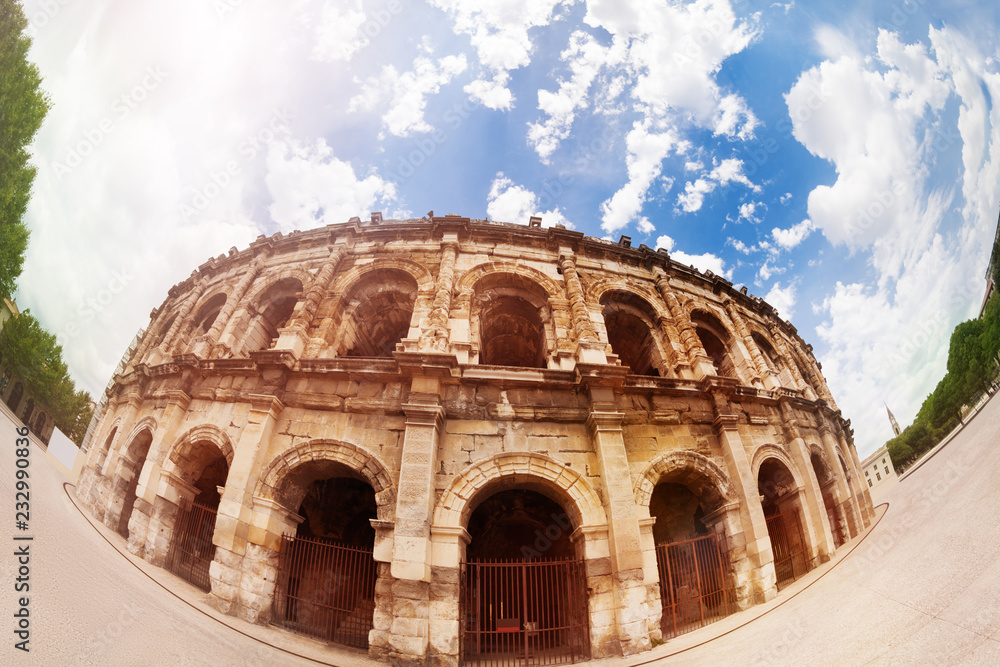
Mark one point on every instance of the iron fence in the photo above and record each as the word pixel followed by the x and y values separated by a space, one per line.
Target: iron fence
pixel 524 613
pixel 326 590
pixel 191 548
pixel 695 585
pixel 788 546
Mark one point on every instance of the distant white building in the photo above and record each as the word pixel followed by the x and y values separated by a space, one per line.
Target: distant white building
pixel 880 476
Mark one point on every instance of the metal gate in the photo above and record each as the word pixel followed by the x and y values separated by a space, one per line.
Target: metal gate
pixel 191 548
pixel 524 613
pixel 788 545
pixel 695 586
pixel 326 589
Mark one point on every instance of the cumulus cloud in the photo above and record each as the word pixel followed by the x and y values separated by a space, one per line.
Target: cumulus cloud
pixel 498 30
pixel 509 202
pixel 783 299
pixel 794 235
pixel 881 121
pixel 725 172
pixel 338 32
pixel 703 262
pixel 404 96
pixel 647 147
pixel 311 187
pixel 586 57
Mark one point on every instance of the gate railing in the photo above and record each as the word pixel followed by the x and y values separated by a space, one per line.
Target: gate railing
pixel 788 546
pixel 191 548
pixel 695 586
pixel 524 613
pixel 326 589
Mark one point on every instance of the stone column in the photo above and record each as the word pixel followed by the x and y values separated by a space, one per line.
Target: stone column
pixel 698 364
pixel 845 497
pixel 232 526
pixel 628 576
pixel 815 525
pixel 149 479
pixel 763 372
pixel 172 495
pixel 435 337
pixel 751 547
pixel 862 494
pixel 408 636
pixel 793 367
pixel 181 327
pixel 589 348
pixel 207 345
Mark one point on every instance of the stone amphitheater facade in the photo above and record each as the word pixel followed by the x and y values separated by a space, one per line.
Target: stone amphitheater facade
pixel 442 362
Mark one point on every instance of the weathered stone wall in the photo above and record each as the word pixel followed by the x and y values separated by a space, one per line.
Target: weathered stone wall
pixel 264 359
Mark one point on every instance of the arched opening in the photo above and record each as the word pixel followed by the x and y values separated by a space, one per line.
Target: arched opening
pixel 164 330
pixel 127 482
pixel 29 409
pixel 103 453
pixel 14 400
pixel 39 423
pixel 716 340
pixel 326 572
pixel 378 312
pixel 205 467
pixel 272 310
pixel 629 321
pixel 207 314
pixel 771 357
pixel 524 591
pixel 692 554
pixel 511 313
pixel 783 514
pixel 826 484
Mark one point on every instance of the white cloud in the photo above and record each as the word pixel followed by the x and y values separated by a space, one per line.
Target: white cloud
pixel 766 272
pixel 785 198
pixel 338 32
pixel 794 235
pixel 645 226
pixel 404 96
pixel 783 299
pixel 727 171
pixel 311 187
pixel 748 211
pixel 665 242
pixel 646 151
pixel 499 33
pixel 586 56
pixel 704 262
pixel 508 202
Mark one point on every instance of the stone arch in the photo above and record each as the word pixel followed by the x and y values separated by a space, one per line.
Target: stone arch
pixel 348 279
pixel 148 422
pixel 717 338
pixel 183 449
pixel 269 279
pixel 208 310
pixel 535 471
pixel 29 409
pixel 596 290
pixel 466 283
pixel 353 457
pixel 631 323
pixel 511 320
pixel 374 311
pixel 270 309
pixel 770 451
pixel 14 398
pixel 694 470
pixel 817 451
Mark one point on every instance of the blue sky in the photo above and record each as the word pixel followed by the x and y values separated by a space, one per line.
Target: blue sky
pixel 840 160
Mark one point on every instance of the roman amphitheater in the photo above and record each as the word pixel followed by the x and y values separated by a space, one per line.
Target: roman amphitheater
pixel 451 441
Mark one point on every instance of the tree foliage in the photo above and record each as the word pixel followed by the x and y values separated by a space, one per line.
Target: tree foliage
pixel 33 354
pixel 23 106
pixel 972 368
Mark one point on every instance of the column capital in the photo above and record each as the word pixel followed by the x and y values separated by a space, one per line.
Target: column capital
pixel 267 404
pixel 601 420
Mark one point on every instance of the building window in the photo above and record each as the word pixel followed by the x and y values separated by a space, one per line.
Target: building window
pixel 878 476
pixel 866 473
pixel 3 381
pixel 887 470
pixel 883 459
pixel 869 483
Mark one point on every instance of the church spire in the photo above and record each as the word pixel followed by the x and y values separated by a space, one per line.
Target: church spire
pixel 892 420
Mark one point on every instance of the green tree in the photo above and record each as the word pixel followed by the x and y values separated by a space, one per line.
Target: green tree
pixel 23 106
pixel 33 354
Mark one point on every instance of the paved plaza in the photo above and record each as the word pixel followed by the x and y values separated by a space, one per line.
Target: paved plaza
pixel 921 588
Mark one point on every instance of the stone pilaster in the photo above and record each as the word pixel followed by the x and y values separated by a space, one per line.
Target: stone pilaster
pixel 753 536
pixel 793 367
pixel 763 373
pixel 698 364
pixel 176 336
pixel 843 487
pixel 408 636
pixel 815 524
pixel 232 526
pixel 435 337
pixel 172 494
pixel 627 566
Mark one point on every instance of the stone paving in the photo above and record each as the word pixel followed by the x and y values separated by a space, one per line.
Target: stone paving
pixel 922 587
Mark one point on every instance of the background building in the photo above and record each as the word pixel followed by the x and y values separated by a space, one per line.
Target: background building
pixel 20 402
pixel 452 440
pixel 880 476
